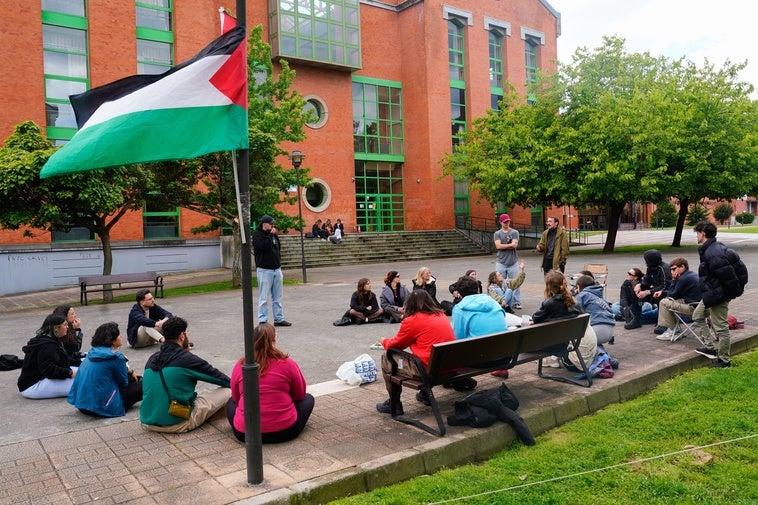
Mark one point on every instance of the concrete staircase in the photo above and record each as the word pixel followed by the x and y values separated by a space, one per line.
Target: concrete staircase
pixel 378 247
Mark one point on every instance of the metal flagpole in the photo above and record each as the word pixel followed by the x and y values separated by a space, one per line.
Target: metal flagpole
pixel 253 444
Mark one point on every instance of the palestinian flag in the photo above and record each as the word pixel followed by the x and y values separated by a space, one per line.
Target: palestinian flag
pixel 195 108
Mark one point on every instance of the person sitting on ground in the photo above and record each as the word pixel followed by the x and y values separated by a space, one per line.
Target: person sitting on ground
pixel 681 297
pixel 317 232
pixel 72 342
pixel 393 297
pixel 48 371
pixel 627 298
pixel 146 319
pixel 364 306
pixel 477 314
pixel 171 375
pixel 559 304
pixel 424 325
pixel 590 300
pixel 105 385
pixel 501 289
pixel 327 228
pixel 284 405
pixel 656 281
pixel 338 224
pixel 453 288
pixel 426 281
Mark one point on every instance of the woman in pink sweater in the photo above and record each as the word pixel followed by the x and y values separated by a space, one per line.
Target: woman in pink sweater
pixel 285 406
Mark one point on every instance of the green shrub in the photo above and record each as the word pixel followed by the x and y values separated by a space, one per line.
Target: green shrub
pixel 722 212
pixel 696 214
pixel 664 215
pixel 745 218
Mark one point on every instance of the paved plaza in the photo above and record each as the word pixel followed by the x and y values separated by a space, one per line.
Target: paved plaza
pixel 51 453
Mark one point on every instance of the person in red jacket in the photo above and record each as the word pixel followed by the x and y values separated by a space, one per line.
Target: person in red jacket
pixel 424 325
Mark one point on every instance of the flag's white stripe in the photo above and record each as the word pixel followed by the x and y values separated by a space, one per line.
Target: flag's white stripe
pixel 188 87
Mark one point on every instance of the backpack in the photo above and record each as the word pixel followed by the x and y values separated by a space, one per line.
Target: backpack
pixel 733 323
pixel 10 362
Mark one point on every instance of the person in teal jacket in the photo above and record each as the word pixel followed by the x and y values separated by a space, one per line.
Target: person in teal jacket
pixel 181 369
pixel 105 385
pixel 476 314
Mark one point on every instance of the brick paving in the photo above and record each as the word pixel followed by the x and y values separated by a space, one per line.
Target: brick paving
pixel 49 453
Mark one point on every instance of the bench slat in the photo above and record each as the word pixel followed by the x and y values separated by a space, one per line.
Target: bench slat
pixel 116 282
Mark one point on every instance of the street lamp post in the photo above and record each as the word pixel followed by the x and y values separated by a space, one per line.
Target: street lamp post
pixel 297 158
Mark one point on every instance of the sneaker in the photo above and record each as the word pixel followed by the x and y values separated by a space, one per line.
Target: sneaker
pixel 721 364
pixel 676 335
pixel 552 362
pixel 660 330
pixel 503 374
pixel 386 408
pixel 667 335
pixel 282 323
pixel 517 306
pixel 423 397
pixel 707 352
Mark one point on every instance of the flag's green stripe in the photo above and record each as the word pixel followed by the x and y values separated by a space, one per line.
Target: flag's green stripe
pixel 154 135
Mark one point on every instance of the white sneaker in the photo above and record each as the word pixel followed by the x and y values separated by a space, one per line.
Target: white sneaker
pixel 666 335
pixel 552 362
pixel 676 335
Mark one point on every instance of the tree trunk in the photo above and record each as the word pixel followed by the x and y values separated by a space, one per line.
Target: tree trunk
pixel 614 210
pixel 105 239
pixel 236 255
pixel 682 215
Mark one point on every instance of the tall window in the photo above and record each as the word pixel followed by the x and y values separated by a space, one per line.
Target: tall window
pixel 497 65
pixel 155 36
pixel 64 42
pixel 456 59
pixel 379 154
pixel 325 32
pixel 531 47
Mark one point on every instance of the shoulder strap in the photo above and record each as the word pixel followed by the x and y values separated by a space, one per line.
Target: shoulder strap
pixel 160 372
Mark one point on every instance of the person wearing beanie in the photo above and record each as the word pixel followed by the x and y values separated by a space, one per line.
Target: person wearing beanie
pixel 268 262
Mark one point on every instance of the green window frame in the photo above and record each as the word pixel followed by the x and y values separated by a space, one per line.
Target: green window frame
pixel 457 62
pixel 66 65
pixel 531 54
pixel 159 219
pixel 155 36
pixel 497 67
pixel 378 127
pixel 321 32
pixel 379 196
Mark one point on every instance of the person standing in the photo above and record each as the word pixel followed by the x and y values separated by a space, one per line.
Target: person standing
pixel 268 262
pixel 723 276
pixel 554 246
pixel 506 244
pixel 145 323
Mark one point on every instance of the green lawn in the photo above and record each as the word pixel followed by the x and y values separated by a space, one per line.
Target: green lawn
pixel 694 439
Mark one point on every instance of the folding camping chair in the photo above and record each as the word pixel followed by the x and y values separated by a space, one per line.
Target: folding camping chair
pixel 685 325
pixel 599 272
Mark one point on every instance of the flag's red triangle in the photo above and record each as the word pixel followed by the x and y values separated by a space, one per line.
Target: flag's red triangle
pixel 231 78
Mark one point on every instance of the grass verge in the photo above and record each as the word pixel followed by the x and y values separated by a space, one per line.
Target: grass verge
pixel 694 439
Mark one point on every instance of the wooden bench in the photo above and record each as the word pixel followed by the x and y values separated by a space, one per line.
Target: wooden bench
pixel 117 282
pixel 474 356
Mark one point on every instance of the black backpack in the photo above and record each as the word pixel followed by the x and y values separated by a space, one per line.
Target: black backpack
pixel 10 362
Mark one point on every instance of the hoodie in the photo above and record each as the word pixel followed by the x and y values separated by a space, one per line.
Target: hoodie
pixel 477 315
pixel 591 301
pixel 44 358
pixel 658 276
pixel 99 382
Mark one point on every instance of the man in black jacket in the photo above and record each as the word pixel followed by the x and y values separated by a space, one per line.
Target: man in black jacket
pixel 268 271
pixel 683 294
pixel 144 326
pixel 723 276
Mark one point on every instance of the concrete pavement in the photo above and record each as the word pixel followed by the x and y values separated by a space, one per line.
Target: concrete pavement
pixel 50 453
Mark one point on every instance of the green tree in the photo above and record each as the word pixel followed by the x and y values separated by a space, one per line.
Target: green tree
pixel 664 215
pixel 696 213
pixel 206 184
pixel 722 212
pixel 745 218
pixel 95 200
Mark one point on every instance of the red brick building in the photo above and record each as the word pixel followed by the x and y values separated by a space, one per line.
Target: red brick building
pixel 391 81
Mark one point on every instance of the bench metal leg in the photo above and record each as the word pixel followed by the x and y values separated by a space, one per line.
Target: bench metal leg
pixel 441 428
pixel 587 382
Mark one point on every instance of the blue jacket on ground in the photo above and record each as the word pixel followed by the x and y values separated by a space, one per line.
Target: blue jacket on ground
pixel 477 315
pixel 591 301
pixel 99 381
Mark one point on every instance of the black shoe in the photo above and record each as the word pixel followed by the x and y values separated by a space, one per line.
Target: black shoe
pixel 618 318
pixel 660 330
pixel 386 408
pixel 627 314
pixel 707 352
pixel 633 324
pixel 721 364
pixel 282 323
pixel 463 385
pixel 423 397
pixel 612 341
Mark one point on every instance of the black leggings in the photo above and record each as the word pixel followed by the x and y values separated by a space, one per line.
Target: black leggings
pixel 304 408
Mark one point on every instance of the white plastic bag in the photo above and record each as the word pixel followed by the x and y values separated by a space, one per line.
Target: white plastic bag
pixel 359 371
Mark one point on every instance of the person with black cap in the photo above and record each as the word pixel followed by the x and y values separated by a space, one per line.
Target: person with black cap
pixel 268 260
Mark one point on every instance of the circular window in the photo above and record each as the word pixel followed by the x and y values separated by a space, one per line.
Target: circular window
pixel 316 109
pixel 318 196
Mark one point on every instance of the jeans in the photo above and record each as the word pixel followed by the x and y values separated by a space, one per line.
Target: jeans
pixel 269 282
pixel 510 272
